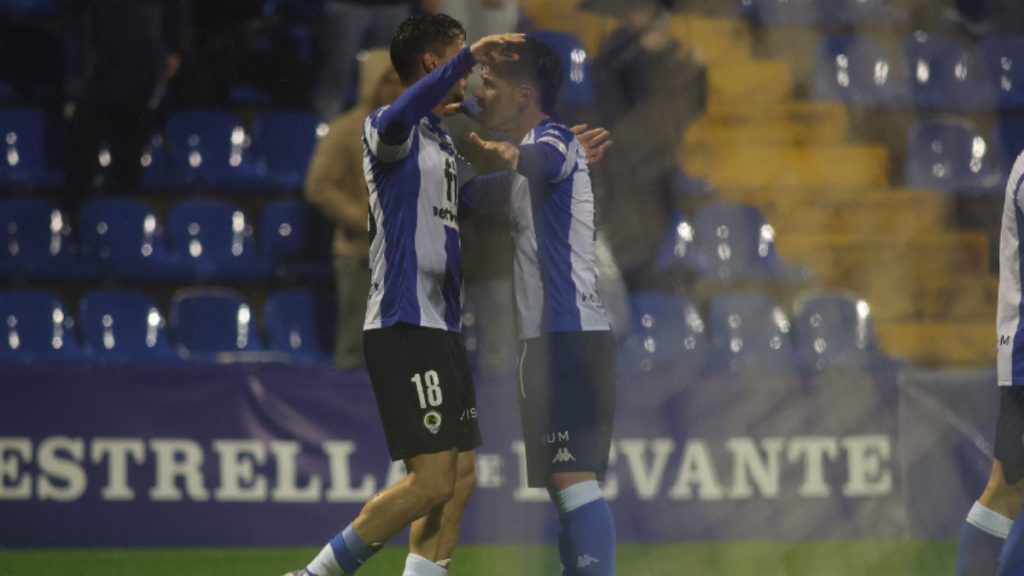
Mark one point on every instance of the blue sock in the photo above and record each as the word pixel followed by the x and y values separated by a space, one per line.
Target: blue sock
pixel 1011 561
pixel 587 521
pixel 565 553
pixel 343 555
pixel 981 540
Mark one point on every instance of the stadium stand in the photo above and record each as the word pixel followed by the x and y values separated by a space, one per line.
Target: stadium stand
pixel 211 324
pixel 123 327
pixel 214 238
pixel 289 318
pixel 38 328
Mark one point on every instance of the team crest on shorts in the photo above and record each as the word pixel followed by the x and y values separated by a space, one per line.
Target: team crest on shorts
pixel 432 420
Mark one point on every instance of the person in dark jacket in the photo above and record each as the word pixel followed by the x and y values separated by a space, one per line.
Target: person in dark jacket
pixel 121 56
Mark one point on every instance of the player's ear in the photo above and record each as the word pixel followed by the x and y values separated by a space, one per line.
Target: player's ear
pixel 429 62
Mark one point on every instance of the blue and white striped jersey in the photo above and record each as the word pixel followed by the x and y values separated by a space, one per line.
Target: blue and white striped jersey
pixel 1010 313
pixel 409 162
pixel 552 210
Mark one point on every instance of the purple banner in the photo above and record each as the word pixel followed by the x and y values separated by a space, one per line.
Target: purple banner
pixel 279 455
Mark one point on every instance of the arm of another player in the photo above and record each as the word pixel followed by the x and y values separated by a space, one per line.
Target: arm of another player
pixel 594 141
pixel 418 100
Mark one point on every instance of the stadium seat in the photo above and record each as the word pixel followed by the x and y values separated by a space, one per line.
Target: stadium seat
pixel 945 76
pixel 159 173
pixel 677 252
pixel 211 149
pixel 126 238
pixel 666 335
pixel 283 145
pixel 214 238
pixel 858 70
pixel 577 92
pixel 210 324
pixel 25 136
pixel 123 326
pixel 290 320
pixel 785 12
pixel 1004 60
pixel 1009 138
pixel 30 7
pixel 951 156
pixel 734 242
pixel 38 243
pixel 860 12
pixel 37 328
pixel 749 332
pixel 834 329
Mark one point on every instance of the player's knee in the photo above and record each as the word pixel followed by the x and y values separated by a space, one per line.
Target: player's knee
pixel 434 489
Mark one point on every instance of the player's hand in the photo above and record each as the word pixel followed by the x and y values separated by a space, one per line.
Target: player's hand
pixel 508 152
pixel 491 49
pixel 594 142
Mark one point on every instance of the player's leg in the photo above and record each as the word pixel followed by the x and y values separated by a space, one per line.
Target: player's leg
pixel 432 539
pixel 434 536
pixel 987 526
pixel 568 397
pixel 987 530
pixel 429 484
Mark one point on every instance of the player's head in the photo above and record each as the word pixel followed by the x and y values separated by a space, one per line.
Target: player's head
pixel 423 43
pixel 512 87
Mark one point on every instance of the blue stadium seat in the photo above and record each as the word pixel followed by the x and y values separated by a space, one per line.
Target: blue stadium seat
pixel 666 335
pixel 577 91
pixel 290 320
pixel 861 12
pixel 860 71
pixel 38 242
pixel 1004 59
pixel 210 323
pixel 952 156
pixel 785 12
pixel 25 137
pixel 29 7
pixel 214 238
pixel 834 329
pixel 159 172
pixel 734 242
pixel 677 252
pixel 1009 136
pixel 749 332
pixel 123 326
pixel 212 149
pixel 125 237
pixel 283 145
pixel 945 76
pixel 37 328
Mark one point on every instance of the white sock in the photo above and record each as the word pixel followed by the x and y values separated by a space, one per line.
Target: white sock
pixel 324 564
pixel 416 565
pixel 444 563
pixel 989 521
pixel 576 496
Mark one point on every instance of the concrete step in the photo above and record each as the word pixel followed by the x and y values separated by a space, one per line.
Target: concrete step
pixel 940 344
pixel 823 167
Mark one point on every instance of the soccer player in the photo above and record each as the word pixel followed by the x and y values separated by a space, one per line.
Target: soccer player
pixel 567 368
pixel 414 354
pixel 990 541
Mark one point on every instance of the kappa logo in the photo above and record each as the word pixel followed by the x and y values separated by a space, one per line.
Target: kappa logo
pixel 432 420
pixel 563 455
pixel 586 560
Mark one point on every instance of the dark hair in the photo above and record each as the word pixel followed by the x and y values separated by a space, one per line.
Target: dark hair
pixel 539 65
pixel 418 35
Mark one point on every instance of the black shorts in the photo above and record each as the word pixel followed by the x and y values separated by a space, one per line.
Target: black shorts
pixel 424 390
pixel 1010 433
pixel 567 403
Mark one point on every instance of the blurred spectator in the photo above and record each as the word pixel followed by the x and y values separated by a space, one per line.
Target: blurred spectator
pixel 647 93
pixel 121 56
pixel 241 50
pixel 348 26
pixel 483 17
pixel 336 186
